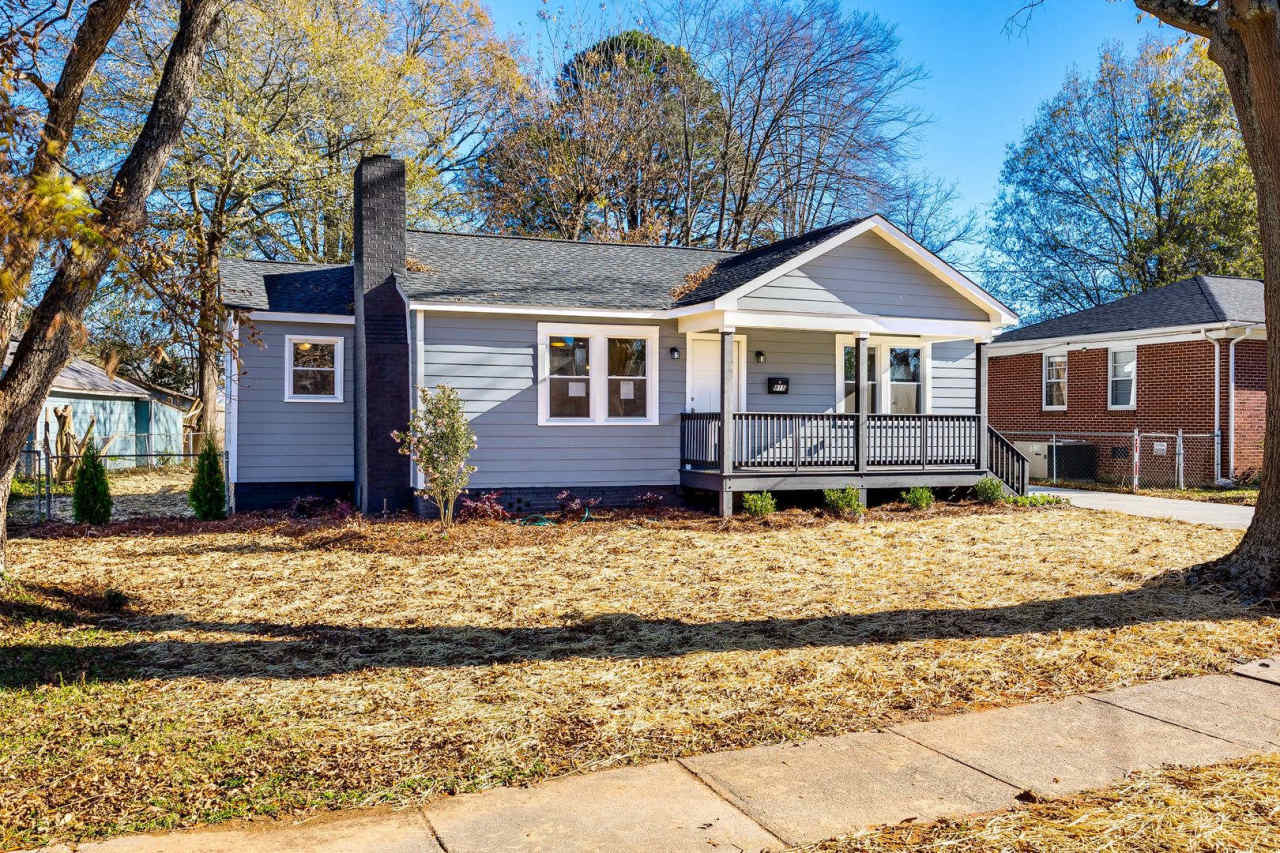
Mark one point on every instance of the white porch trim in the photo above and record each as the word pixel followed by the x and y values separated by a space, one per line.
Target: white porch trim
pixel 295 317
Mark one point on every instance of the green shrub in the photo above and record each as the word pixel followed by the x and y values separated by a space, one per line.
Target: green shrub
pixel 989 490
pixel 758 504
pixel 208 495
pixel 1036 499
pixel 845 502
pixel 918 497
pixel 91 496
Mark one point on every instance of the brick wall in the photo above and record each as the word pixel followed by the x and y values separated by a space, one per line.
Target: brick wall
pixel 1175 391
pixel 1251 406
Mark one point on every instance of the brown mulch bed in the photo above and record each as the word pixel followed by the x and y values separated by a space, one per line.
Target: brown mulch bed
pixel 167 673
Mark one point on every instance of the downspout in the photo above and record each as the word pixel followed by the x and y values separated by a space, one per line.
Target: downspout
pixel 1231 395
pixel 1217 403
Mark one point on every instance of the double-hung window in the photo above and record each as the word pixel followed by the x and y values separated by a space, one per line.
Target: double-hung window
pixel 1122 379
pixel 597 374
pixel 904 381
pixel 312 369
pixel 1055 383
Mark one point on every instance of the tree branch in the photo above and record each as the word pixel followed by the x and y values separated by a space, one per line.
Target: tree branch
pixel 1195 18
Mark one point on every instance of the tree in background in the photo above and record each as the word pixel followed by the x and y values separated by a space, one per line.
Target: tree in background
pixel 71 227
pixel 726 126
pixel 618 146
pixel 291 94
pixel 1130 179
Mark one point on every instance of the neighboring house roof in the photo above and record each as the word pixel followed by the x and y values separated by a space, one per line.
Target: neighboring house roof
pixel 85 377
pixel 1194 301
pixel 484 269
pixel 286 287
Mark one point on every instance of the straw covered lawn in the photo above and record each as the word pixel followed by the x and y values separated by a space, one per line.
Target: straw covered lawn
pixel 265 666
pixel 1228 807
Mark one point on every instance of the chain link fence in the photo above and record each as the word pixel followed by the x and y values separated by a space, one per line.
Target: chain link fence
pixel 41 476
pixel 1132 460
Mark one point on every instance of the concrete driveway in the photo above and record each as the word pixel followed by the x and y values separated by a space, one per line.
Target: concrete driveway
pixel 1229 516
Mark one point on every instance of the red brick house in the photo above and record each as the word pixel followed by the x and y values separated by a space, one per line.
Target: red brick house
pixel 1190 356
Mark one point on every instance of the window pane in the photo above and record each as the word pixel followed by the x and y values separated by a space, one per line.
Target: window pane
pixel 628 398
pixel 626 357
pixel 570 356
pixel 569 398
pixel 904 365
pixel 1055 367
pixel 1055 394
pixel 904 398
pixel 307 354
pixel 850 364
pixel 1123 363
pixel 318 383
pixel 873 398
pixel 1121 392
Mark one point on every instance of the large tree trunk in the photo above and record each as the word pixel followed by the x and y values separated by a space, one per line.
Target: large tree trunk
pixel 1246 44
pixel 46 345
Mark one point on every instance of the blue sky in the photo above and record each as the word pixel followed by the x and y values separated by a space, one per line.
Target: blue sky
pixel 984 84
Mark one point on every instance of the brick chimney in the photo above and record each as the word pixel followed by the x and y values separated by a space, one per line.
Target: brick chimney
pixel 381 337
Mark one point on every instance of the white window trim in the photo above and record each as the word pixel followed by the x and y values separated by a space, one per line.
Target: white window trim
pixel 289 396
pixel 883 389
pixel 598 379
pixel 1044 382
pixel 1133 386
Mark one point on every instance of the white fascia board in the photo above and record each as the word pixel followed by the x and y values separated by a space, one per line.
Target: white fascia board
pixel 1141 337
pixel 939 268
pixel 298 317
pixel 873 325
pixel 539 311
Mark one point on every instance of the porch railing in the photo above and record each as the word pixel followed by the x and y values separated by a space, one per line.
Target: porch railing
pixel 795 441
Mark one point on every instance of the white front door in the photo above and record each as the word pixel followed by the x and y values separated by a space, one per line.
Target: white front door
pixel 704 373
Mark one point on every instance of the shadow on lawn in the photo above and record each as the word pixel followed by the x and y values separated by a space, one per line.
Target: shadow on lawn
pixel 315 650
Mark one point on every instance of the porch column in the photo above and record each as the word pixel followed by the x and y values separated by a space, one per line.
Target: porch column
pixel 728 404
pixel 980 401
pixel 862 406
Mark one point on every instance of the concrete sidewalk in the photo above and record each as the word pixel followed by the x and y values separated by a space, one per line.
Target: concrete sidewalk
pixel 773 797
pixel 1230 516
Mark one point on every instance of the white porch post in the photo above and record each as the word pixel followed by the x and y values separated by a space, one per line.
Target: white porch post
pixel 728 404
pixel 980 401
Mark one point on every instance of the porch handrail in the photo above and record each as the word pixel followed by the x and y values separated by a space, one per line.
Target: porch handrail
pixel 699 439
pixel 1007 462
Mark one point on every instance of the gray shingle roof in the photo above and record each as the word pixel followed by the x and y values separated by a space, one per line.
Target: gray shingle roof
pixel 736 270
pixel 1203 299
pixel 279 286
pixel 483 269
pixel 81 376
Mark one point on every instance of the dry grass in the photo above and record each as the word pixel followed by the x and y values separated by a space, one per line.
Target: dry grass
pixel 135 493
pixel 268 667
pixel 1233 806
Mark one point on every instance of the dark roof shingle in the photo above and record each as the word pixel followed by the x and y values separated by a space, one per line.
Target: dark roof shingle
pixel 1203 299
pixel 484 269
pixel 286 287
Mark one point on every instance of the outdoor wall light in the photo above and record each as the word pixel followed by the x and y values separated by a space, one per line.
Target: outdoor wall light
pixel 675 353
pixel 759 356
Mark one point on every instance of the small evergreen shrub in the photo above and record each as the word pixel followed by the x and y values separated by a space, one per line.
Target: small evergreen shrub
pixel 91 496
pixel 989 490
pixel 844 502
pixel 918 497
pixel 759 504
pixel 438 441
pixel 488 508
pixel 208 495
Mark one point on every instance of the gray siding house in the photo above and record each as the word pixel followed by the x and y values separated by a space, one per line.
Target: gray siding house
pixel 847 356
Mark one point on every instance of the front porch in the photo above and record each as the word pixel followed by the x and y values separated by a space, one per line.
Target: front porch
pixel 856 445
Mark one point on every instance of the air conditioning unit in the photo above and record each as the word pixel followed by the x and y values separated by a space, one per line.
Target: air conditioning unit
pixel 1070 459
pixel 1037 453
